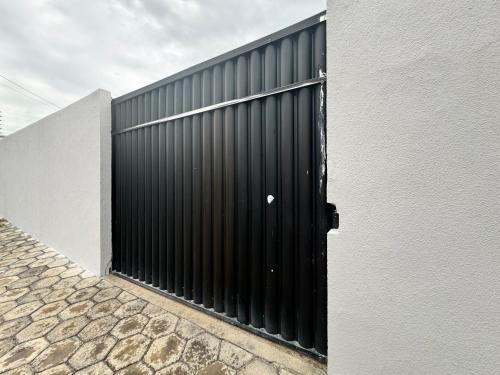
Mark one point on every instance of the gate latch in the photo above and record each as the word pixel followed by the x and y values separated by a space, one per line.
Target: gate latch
pixel 332 216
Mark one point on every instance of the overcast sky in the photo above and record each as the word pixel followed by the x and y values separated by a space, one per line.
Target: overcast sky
pixel 63 50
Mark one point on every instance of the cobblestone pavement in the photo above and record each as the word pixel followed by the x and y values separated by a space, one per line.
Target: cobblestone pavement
pixel 55 318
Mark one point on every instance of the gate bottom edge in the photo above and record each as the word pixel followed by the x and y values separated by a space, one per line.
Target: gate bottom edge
pixel 276 338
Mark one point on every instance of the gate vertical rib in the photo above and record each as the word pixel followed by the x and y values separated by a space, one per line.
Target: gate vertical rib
pixel 217 210
pixel 242 205
pixel 287 321
pixel 272 260
pixel 178 192
pixel 187 190
pixel 304 204
pixel 206 99
pixel 256 182
pixel 197 194
pixel 226 206
pixel 230 264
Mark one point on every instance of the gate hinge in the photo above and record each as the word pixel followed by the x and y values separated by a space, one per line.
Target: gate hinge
pixel 332 216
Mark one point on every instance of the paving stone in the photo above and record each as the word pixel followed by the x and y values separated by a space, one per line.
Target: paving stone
pixel 260 367
pixel 6 345
pixel 50 309
pixel 56 354
pixel 57 370
pixel 67 282
pixel 53 271
pixel 8 280
pixel 37 329
pixel 31 254
pixel 130 308
pixel 76 309
pixel 23 283
pixel 138 368
pixel 22 354
pixel 34 295
pixel 46 282
pixel 88 282
pixel 42 261
pixel 129 326
pixel 100 368
pixel 14 271
pixel 23 370
pixel 104 308
pixel 152 310
pixel 10 256
pixel 58 295
pixel 128 351
pixel 67 328
pixel 160 325
pixel 83 294
pixel 22 262
pixel 47 254
pixel 32 272
pixel 164 351
pixel 106 294
pixel 7 306
pixel 233 355
pixel 75 271
pixel 124 297
pixel 178 368
pixel 13 294
pixel 201 351
pixel 58 262
pixel 284 371
pixel 187 330
pixel 98 328
pixel 12 327
pixel 92 352
pixel 8 262
pixel 22 310
pixel 103 284
pixel 217 368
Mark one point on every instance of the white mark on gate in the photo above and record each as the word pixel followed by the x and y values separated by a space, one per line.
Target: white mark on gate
pixel 321 127
pixel 270 198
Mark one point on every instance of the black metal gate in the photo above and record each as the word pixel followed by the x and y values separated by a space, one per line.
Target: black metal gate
pixel 219 186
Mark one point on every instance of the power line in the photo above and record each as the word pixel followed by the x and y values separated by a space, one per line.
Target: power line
pixel 23 94
pixel 31 92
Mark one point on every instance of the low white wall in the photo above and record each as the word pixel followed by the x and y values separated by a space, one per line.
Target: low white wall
pixel 414 168
pixel 55 181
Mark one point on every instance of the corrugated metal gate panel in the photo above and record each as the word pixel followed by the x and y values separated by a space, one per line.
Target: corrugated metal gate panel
pixel 227 207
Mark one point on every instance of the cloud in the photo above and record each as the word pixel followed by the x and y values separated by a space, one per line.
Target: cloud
pixel 63 50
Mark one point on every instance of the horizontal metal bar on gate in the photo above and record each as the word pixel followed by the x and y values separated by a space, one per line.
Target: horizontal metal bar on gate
pixel 263 94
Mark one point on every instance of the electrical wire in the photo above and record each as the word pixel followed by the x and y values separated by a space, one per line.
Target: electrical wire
pixel 23 94
pixel 31 92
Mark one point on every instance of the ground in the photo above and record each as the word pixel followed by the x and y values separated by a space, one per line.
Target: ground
pixel 56 318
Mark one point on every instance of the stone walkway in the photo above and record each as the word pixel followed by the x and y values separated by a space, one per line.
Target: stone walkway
pixel 55 318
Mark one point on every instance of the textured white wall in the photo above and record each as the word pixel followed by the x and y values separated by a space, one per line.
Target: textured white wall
pixel 414 168
pixel 55 180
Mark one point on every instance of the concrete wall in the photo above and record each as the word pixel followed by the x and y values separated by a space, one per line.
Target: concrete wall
pixel 55 181
pixel 413 163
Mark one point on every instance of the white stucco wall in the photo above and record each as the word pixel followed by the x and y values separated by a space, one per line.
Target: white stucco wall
pixel 414 169
pixel 55 181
